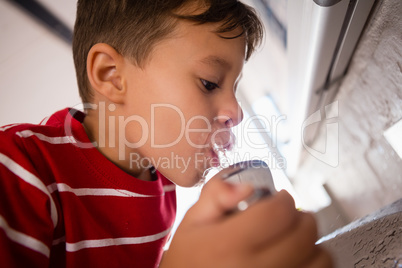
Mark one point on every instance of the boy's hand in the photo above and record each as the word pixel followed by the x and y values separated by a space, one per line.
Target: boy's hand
pixel 270 233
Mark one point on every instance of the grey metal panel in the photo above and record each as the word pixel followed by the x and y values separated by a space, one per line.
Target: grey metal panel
pixel 352 33
pixel 313 33
pixel 326 3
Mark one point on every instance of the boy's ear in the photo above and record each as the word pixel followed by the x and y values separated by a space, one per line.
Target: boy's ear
pixel 104 66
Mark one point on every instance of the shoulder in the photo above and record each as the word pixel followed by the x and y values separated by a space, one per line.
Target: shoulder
pixel 55 122
pixel 13 140
pixel 18 137
pixel 53 129
pixel 24 144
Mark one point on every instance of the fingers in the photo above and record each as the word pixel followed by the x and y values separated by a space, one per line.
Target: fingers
pixel 270 233
pixel 217 198
pixel 265 220
pixel 276 233
pixel 295 247
pixel 321 258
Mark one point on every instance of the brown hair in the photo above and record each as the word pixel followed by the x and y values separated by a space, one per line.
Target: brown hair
pixel 134 27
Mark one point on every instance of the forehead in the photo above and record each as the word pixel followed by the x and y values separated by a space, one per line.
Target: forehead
pixel 203 45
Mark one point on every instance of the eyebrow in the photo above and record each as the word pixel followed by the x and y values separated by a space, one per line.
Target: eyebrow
pixel 215 60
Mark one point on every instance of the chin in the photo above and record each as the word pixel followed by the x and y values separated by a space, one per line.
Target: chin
pixel 188 178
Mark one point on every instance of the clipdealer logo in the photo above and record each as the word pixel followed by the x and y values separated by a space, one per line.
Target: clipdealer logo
pixel 330 153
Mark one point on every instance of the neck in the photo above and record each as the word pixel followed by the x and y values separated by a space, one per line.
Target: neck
pixel 101 128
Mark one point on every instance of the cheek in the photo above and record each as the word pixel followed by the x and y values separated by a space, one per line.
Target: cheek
pixel 167 124
pixel 172 132
pixel 182 142
pixel 198 129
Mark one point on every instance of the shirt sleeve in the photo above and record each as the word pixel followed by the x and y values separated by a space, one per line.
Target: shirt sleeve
pixel 27 211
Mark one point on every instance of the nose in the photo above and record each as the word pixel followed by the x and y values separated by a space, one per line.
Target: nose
pixel 230 113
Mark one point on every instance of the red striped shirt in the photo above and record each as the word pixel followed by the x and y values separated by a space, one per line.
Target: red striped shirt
pixel 66 206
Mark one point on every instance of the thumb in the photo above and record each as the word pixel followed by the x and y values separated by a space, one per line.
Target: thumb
pixel 216 200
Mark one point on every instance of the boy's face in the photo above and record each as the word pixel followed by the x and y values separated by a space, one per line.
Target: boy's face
pixel 183 101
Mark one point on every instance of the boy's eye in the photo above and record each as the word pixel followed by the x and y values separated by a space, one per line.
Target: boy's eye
pixel 209 85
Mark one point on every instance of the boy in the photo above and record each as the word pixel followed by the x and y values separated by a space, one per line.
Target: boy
pixel 157 79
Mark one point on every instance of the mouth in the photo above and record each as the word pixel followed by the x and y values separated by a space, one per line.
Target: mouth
pixel 216 160
pixel 216 156
pixel 220 153
pixel 217 150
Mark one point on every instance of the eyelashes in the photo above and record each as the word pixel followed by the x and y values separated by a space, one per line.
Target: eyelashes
pixel 209 86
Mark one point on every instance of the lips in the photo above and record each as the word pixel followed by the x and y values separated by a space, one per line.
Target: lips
pixel 220 153
pixel 221 141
